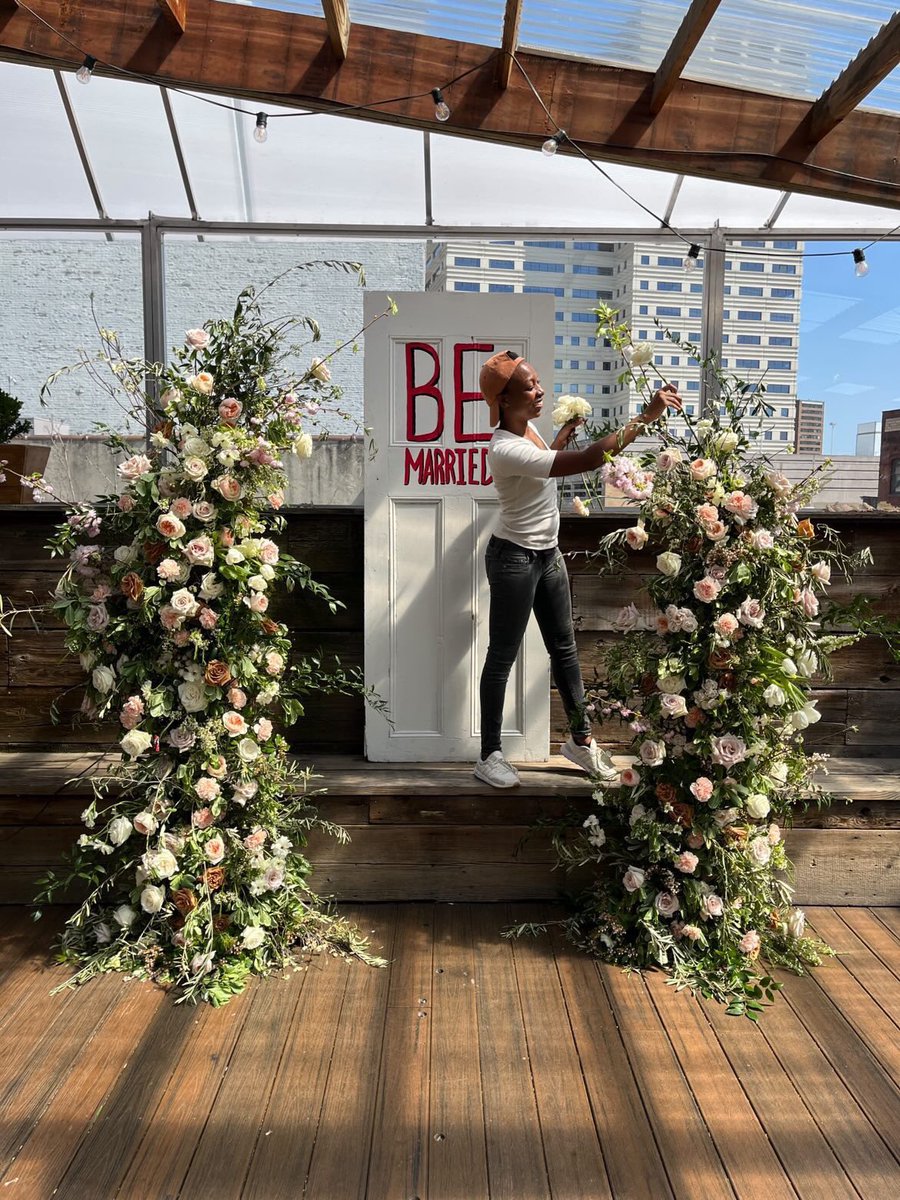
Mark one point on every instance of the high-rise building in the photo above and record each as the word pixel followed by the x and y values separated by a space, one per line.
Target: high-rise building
pixel 810 426
pixel 868 438
pixel 648 282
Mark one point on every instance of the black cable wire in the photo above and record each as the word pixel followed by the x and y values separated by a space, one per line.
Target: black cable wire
pixel 561 136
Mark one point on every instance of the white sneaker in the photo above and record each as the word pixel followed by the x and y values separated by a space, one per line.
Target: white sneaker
pixel 590 758
pixel 496 771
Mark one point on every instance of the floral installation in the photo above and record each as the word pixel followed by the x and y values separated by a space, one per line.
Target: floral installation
pixel 692 874
pixel 192 860
pixel 575 408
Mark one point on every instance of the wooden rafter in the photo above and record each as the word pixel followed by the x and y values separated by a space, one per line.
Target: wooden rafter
pixel 277 57
pixel 175 12
pixel 854 83
pixel 337 19
pixel 684 43
pixel 509 41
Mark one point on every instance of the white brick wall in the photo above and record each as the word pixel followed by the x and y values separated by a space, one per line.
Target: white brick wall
pixel 45 289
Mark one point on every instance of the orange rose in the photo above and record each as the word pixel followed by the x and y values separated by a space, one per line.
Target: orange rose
pixel 683 814
pixel 665 792
pixel 270 626
pixel 217 673
pixel 154 552
pixel 805 529
pixel 213 877
pixel 132 585
pixel 184 900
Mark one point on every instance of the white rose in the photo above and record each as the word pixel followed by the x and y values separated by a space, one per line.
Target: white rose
pixel 778 772
pixel 136 742
pixel 774 696
pixel 668 563
pixel 822 571
pixel 184 602
pixel 672 684
pixel 638 355
pixel 124 915
pixel 726 441
pixel 267 572
pixel 197 339
pixel 210 587
pixel 152 898
pixel 248 750
pixel 303 446
pixel 258 583
pixel 103 679
pixel 194 467
pixel 252 937
pixel 234 556
pixel 672 706
pixel 119 831
pixel 319 370
pixel 760 850
pixel 633 879
pixel 796 922
pixel 652 753
pixel 757 806
pixel 196 447
pixel 125 554
pixel 626 619
pixel 134 467
pixel 192 694
pixel 161 863
pixel 805 716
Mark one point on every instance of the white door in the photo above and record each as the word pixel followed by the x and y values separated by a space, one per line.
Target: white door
pixel 429 511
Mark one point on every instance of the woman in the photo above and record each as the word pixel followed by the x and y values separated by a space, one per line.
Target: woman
pixel 525 569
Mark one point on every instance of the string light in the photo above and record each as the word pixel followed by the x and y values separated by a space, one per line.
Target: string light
pixel 86 70
pixel 442 113
pixel 553 143
pixel 690 259
pixel 441 108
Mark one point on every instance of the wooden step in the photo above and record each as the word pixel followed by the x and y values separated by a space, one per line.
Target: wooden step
pixel 431 831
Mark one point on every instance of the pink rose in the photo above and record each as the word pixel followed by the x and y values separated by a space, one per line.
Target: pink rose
pixel 227 487
pixel 774 835
pixel 168 570
pixel 707 589
pixel 702 468
pixel 274 663
pixel 716 531
pixel 135 467
pixel 629 777
pixel 235 725
pixel 255 840
pixel 706 513
pixel 208 618
pixel 274 877
pixel 215 849
pixel 822 571
pixel 666 904
pixel 726 625
pixel 258 602
pixel 197 339
pixel 217 767
pixel 275 499
pixel 268 551
pixel 761 539
pixel 633 879
pixel 636 537
pixel 169 618
pixel 702 789
pixel 809 602
pixel 749 943
pixel 692 932
pixel 741 505
pixel 695 840
pixel 236 697
pixel 202 818
pixel 100 593
pixel 263 729
pixel 230 409
pixel 131 712
pixel 687 862
pixel 199 551
pixel 728 750
pixel 207 789
pixel 752 613
pixel 170 526
pixel 97 618
pixel 181 507
pixel 712 905
pixel 125 503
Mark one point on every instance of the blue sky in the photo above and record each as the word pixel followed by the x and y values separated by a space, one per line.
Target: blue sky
pixel 849 334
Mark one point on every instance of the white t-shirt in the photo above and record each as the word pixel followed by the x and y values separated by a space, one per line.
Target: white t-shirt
pixel 529 514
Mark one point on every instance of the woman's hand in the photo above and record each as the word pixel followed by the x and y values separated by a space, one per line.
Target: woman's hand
pixel 565 435
pixel 666 397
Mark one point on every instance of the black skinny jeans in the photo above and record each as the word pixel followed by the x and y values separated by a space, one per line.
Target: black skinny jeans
pixel 524 581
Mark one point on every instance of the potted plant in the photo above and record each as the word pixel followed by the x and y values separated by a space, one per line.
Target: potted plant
pixel 17 460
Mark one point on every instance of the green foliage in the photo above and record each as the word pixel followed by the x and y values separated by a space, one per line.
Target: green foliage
pixel 11 424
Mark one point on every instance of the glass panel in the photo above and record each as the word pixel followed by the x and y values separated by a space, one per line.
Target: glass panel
pixel 47 179
pixel 50 287
pixel 203 280
pixel 461 20
pixel 130 148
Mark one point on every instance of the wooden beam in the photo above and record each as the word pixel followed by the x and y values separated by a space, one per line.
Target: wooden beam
pixel 684 43
pixel 509 41
pixel 337 19
pixel 277 57
pixel 854 83
pixel 175 12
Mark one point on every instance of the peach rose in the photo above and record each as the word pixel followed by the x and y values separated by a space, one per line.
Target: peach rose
pixel 181 507
pixel 170 526
pixel 202 818
pixel 227 487
pixel 235 725
pixel 237 698
pixel 230 409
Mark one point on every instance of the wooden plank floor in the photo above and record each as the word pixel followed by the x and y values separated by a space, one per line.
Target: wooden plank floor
pixel 472 1069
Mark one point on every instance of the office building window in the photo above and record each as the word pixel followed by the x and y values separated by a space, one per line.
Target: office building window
pixel 768 435
pixel 747 364
pixel 462 285
pixel 695 312
pixel 751 266
pixel 587 269
pixel 590 365
pixel 666 310
pixel 782 318
pixel 573 364
pixel 750 291
pixel 589 318
pixel 643 310
pixel 576 340
pixel 466 262
pixel 668 285
pixel 779 364
pixel 645 260
pixel 533 265
pixel 785 412
pixel 591 341
pixel 696 288
pixel 500 287
pixel 644 285
pixel 783 437
pixel 781 341
pixel 573 388
pixel 557 363
pixel 593 245
pixel 779 389
pixel 604 391
pixel 783 293
pixel 749 314
pixel 559 315
pixel 753 242
pixel 674 360
pixel 783 245
pixel 585 294
pixel 501 264
pixel 557 388
pixel 690 409
pixel 669 260
pixel 693 385
pixel 546 245
pixel 557 339
pixel 784 269
pixel 658 360
pixel 534 289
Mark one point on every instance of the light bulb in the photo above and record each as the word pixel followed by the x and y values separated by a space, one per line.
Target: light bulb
pixel 441 108
pixel 553 143
pixel 84 72
pixel 261 132
pixel 862 267
pixel 690 259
